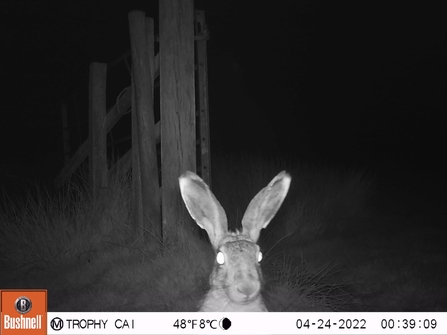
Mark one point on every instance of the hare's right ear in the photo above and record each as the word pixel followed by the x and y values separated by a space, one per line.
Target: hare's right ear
pixel 203 207
pixel 264 205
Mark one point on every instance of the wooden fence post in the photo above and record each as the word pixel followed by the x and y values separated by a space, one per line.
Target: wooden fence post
pixel 201 33
pixel 177 112
pixel 144 161
pixel 98 139
pixel 65 131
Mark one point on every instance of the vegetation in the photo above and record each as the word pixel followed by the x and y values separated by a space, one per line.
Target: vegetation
pixel 88 257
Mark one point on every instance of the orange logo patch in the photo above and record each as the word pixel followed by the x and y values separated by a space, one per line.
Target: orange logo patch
pixel 23 312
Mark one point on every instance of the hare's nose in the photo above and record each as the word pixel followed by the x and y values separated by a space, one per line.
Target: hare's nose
pixel 248 289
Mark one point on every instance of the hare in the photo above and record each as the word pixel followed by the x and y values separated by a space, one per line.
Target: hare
pixel 236 278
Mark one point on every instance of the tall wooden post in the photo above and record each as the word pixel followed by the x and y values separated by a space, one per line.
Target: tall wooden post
pixel 202 35
pixel 98 139
pixel 65 131
pixel 177 103
pixel 146 198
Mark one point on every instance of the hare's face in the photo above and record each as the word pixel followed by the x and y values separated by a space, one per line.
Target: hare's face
pixel 238 271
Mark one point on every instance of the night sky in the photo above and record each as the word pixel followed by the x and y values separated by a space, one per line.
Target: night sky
pixel 359 82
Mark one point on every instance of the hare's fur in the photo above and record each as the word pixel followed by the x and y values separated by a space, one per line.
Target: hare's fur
pixel 236 278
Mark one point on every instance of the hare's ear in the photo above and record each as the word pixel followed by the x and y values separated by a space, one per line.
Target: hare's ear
pixel 203 206
pixel 264 205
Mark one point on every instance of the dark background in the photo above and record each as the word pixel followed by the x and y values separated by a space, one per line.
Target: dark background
pixel 354 83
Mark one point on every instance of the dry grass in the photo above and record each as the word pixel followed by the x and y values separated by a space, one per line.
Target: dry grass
pixel 88 257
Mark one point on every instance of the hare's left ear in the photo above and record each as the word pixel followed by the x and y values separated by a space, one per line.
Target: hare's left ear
pixel 264 205
pixel 203 207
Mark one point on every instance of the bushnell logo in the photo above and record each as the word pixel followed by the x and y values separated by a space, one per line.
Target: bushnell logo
pixel 23 305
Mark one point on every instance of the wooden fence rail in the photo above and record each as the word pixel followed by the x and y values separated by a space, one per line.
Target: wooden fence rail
pixel 176 130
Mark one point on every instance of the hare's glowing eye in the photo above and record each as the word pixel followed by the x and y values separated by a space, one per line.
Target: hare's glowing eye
pixel 259 256
pixel 220 258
